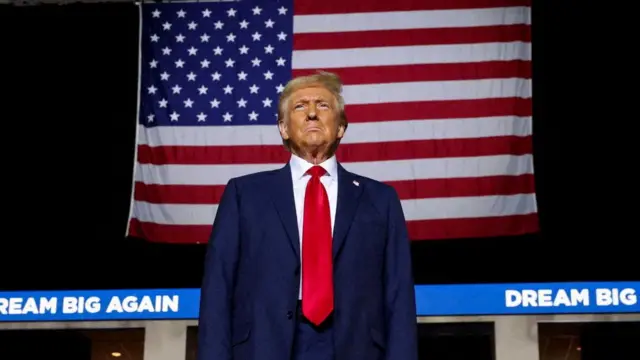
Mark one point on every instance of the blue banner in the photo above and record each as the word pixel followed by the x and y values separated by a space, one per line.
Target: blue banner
pixel 431 300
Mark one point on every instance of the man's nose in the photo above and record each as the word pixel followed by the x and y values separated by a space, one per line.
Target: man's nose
pixel 311 113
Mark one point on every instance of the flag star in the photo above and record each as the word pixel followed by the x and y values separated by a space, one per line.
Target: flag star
pixel 191 76
pixel 256 10
pixel 204 38
pixel 166 51
pixel 242 103
pixel 216 76
pixel 244 24
pixel 192 51
pixel 229 62
pixel 256 62
pixel 164 76
pixel 155 38
pixel 202 117
pixel 179 38
pixel 202 90
pixel 166 26
pixel 280 88
pixel 193 25
pixel 228 89
pixel 231 37
pixel 282 11
pixel 152 89
pixel 268 49
pixel 188 103
pixel 256 36
pixel 243 49
pixel 206 13
pixel 181 13
pixel 269 23
pixel 253 116
pixel 174 116
pixel 231 12
pixel 156 13
pixel 254 89
pixel 280 61
pixel 217 50
pixel 242 75
pixel 218 25
pixel 150 118
pixel 268 75
pixel 153 64
pixel 176 89
pixel 266 102
pixel 162 103
pixel 205 63
pixel 227 117
pixel 214 103
pixel 179 63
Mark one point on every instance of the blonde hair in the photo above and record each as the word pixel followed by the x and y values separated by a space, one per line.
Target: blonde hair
pixel 325 79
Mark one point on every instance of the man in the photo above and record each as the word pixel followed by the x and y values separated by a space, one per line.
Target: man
pixel 310 261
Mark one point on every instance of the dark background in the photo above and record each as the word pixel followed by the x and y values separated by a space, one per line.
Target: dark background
pixel 69 126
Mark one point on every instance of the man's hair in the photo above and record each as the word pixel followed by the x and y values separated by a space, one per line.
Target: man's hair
pixel 327 80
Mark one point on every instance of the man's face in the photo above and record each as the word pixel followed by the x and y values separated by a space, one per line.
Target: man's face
pixel 313 119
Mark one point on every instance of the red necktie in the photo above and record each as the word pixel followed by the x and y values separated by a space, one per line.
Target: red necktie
pixel 317 269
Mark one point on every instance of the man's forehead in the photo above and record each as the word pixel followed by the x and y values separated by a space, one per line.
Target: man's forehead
pixel 312 93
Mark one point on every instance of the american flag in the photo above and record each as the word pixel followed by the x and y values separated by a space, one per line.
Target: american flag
pixel 438 97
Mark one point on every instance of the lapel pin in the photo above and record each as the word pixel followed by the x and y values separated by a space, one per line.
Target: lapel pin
pixel 356 183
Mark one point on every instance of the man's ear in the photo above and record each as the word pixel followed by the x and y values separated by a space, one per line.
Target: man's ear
pixel 284 130
pixel 341 131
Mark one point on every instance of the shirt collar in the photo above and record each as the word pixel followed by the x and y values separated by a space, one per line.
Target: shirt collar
pixel 299 166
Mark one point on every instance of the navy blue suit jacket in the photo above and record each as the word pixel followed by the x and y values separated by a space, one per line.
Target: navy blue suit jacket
pixel 252 272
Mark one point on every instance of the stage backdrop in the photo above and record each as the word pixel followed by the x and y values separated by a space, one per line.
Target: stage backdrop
pixel 438 97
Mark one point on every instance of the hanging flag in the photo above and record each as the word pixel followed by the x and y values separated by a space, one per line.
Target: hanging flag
pixel 438 97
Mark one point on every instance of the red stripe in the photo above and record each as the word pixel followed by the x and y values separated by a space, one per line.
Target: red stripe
pixel 418 230
pixel 408 189
pixel 444 229
pixel 429 72
pixel 412 37
pixel 446 109
pixel 397 150
pixel 313 7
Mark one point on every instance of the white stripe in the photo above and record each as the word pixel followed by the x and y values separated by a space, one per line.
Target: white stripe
pixel 438 168
pixel 417 209
pixel 410 20
pixel 357 133
pixel 437 90
pixel 410 55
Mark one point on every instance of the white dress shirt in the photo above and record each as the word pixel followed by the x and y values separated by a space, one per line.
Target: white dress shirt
pixel 299 167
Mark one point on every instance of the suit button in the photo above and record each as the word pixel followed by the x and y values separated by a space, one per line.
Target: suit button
pixel 289 314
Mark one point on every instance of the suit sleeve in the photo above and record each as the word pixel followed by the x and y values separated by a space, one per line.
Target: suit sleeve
pixel 214 326
pixel 399 287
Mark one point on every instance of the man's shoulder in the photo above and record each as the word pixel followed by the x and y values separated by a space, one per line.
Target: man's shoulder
pixel 376 187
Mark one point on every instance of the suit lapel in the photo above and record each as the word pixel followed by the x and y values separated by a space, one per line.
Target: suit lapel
pixel 349 191
pixel 282 196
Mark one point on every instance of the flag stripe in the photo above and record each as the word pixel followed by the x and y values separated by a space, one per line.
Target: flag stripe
pixel 340 6
pixel 412 37
pixel 375 132
pixel 414 209
pixel 369 151
pixel 397 170
pixel 407 189
pixel 393 20
pixel 431 72
pixel 410 55
pixel 440 229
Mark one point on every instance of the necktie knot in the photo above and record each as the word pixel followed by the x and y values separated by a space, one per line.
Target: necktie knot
pixel 316 171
